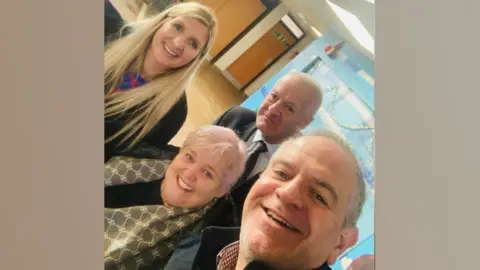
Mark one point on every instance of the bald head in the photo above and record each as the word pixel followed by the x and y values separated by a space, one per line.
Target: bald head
pixel 312 89
pixel 339 145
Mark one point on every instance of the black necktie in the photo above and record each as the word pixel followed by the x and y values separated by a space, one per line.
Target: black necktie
pixel 254 152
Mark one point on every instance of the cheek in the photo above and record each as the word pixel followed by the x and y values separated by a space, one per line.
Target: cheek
pixel 175 164
pixel 206 191
pixel 170 177
pixel 209 187
pixel 326 232
pixel 288 122
pixel 263 187
pixel 158 38
pixel 189 55
pixel 263 107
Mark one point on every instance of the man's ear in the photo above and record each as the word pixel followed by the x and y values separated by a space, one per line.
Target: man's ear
pixel 348 237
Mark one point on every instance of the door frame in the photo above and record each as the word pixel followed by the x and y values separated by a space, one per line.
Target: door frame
pixel 270 5
pixel 289 48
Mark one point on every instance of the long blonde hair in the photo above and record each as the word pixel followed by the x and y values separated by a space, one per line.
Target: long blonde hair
pixel 154 99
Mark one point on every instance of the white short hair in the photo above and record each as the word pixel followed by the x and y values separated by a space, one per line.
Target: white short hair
pixel 229 149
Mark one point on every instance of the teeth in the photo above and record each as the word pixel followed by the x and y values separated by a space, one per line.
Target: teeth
pixel 184 185
pixel 280 220
pixel 169 51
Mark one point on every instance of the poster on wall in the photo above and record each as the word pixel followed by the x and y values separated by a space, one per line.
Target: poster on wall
pixel 348 110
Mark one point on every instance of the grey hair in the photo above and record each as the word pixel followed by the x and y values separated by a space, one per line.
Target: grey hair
pixel 356 206
pixel 226 146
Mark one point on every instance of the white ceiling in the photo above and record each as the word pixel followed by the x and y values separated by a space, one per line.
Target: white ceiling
pixel 320 15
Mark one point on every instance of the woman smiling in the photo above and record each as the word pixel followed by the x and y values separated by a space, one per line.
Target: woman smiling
pixel 147 69
pixel 149 203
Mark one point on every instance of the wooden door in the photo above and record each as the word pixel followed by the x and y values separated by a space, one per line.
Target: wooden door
pixel 266 50
pixel 233 16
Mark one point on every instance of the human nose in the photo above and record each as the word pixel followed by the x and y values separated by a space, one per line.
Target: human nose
pixel 191 173
pixel 290 193
pixel 179 43
pixel 275 109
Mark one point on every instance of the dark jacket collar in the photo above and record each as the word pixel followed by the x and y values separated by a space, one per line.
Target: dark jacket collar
pixel 214 239
pixel 249 130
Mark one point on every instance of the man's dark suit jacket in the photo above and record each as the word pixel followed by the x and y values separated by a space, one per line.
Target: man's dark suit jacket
pixel 239 119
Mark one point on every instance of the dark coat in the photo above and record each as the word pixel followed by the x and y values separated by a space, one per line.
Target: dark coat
pixel 164 130
pixel 200 252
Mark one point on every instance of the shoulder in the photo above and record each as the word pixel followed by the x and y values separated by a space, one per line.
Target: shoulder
pixel 177 113
pixel 239 110
pixel 238 115
pixel 213 240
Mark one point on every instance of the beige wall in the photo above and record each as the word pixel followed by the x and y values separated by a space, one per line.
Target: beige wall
pixel 251 37
pixel 275 68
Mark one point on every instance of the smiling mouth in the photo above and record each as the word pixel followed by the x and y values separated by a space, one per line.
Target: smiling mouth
pixel 183 185
pixel 280 221
pixel 169 51
pixel 269 120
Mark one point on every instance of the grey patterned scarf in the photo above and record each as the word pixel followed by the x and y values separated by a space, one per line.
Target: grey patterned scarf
pixel 142 237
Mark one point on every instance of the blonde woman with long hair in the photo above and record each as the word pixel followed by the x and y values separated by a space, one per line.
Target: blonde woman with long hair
pixel 147 70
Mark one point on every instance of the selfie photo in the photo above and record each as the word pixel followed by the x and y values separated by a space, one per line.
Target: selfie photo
pixel 239 134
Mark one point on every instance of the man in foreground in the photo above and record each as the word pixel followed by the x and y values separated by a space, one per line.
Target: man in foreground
pixel 300 214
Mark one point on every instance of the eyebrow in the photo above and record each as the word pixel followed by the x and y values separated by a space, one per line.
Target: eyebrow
pixel 318 181
pixel 328 187
pixel 291 104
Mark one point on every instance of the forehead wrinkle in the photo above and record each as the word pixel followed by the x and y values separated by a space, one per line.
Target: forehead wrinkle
pixel 329 154
pixel 326 157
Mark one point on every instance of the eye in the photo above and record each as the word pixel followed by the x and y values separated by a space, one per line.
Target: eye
pixel 320 199
pixel 274 96
pixel 281 174
pixel 208 174
pixel 189 157
pixel 178 27
pixel 194 44
pixel 290 109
